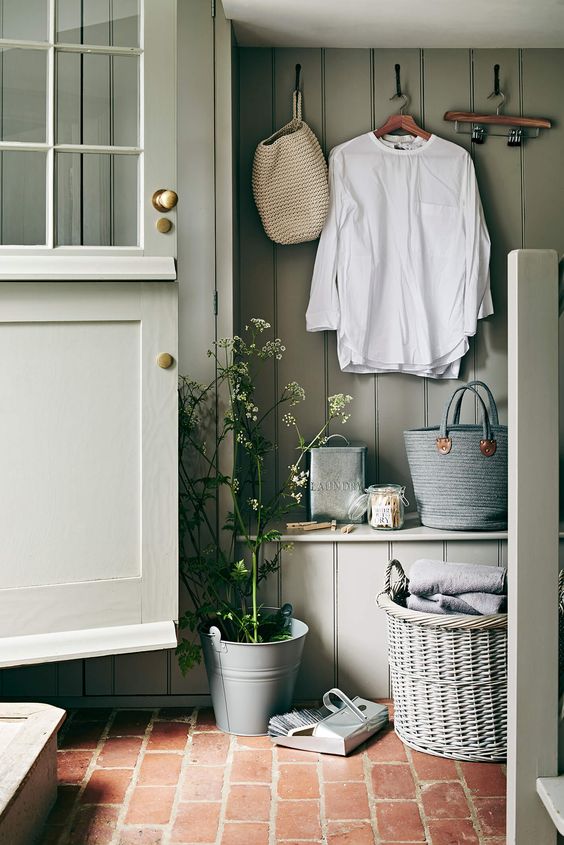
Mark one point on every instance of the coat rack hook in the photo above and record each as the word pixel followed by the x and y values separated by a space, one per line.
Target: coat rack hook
pixel 399 93
pixel 497 92
pixel 298 75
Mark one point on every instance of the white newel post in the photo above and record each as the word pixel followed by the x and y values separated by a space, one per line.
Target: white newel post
pixel 533 540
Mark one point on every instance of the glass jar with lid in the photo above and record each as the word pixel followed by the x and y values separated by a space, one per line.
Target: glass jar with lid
pixel 384 505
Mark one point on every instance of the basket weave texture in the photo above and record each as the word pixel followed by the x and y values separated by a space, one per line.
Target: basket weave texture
pixel 462 489
pixel 290 184
pixel 449 677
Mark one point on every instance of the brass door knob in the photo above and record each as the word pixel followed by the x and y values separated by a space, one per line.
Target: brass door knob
pixel 163 225
pixel 165 360
pixel 164 199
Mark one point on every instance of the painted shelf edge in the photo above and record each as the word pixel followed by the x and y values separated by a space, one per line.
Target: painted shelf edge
pixel 89 642
pixel 413 532
pixel 87 268
pixel 551 792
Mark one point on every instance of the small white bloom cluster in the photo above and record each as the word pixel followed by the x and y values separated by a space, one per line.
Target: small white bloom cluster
pixel 235 485
pixel 272 349
pixel 254 503
pixel 258 325
pixel 289 420
pixel 299 477
pixel 298 480
pixel 295 392
pixel 337 405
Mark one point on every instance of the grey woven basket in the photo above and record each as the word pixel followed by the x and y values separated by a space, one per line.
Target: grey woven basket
pixel 449 677
pixel 459 471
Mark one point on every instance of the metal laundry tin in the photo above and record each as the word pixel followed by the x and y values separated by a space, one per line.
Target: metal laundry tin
pixel 337 475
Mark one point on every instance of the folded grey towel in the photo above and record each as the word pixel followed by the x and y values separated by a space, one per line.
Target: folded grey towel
pixel 429 577
pixel 424 605
pixel 476 604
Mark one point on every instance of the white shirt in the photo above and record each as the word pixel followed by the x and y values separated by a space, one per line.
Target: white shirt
pixel 402 268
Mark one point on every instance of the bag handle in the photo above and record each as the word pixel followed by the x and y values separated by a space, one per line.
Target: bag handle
pixel 488 445
pixel 494 417
pixel 297 105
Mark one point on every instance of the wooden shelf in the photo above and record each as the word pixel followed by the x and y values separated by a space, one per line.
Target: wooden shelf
pixel 412 532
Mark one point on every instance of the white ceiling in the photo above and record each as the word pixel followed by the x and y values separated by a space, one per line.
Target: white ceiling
pixel 398 23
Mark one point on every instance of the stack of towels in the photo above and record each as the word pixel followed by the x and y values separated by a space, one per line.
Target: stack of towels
pixel 437 587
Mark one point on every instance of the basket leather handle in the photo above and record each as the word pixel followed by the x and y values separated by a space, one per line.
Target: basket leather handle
pixel 487 444
pixel 400 585
pixel 492 407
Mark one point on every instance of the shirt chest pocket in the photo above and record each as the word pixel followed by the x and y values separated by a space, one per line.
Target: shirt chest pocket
pixel 436 226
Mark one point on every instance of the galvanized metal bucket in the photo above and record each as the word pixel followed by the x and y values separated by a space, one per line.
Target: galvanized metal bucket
pixel 250 682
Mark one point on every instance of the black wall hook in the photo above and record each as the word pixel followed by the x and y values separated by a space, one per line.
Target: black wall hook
pixel 398 81
pixel 496 90
pixel 298 76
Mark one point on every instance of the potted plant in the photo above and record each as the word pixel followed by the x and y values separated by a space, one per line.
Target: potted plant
pixel 252 653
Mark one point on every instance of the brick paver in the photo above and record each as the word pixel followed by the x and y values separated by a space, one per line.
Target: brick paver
pixel 165 777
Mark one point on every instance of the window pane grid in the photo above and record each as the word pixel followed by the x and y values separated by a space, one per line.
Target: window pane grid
pixel 115 194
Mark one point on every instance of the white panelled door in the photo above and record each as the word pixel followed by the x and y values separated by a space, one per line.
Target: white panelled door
pixel 88 329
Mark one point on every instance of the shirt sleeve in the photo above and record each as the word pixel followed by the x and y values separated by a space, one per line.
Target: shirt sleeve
pixel 323 311
pixel 477 295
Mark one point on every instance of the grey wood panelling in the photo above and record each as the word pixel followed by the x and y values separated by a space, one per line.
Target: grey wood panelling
pixel 362 665
pixel 308 582
pixel 522 191
pixel 257 258
pixel 349 111
pixel 486 552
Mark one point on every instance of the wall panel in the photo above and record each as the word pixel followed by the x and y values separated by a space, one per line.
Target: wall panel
pixel 349 111
pixel 293 267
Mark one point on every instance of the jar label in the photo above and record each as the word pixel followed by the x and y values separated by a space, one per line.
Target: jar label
pixel 382 515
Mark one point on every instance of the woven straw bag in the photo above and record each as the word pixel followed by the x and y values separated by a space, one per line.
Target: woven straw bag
pixel 449 677
pixel 290 184
pixel 459 471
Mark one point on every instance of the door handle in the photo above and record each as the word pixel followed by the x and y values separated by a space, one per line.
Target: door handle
pixel 164 199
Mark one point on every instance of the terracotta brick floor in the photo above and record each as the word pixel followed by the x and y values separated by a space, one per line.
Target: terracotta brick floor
pixel 169 777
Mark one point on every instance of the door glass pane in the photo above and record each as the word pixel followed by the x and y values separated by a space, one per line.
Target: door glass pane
pixel 26 21
pixel 97 99
pixel 23 95
pixel 96 199
pixel 105 22
pixel 22 198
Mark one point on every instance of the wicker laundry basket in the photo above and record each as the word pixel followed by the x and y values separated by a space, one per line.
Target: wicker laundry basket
pixel 449 677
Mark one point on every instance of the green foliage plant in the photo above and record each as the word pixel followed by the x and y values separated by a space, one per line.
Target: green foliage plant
pixel 222 563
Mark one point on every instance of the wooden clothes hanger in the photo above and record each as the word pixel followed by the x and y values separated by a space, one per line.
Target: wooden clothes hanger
pixel 497 119
pixel 401 121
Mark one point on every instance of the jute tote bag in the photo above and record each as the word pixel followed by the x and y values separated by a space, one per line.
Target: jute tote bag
pixel 459 471
pixel 290 182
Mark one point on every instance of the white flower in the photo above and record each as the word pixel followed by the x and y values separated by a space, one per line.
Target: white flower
pixel 254 503
pixel 259 325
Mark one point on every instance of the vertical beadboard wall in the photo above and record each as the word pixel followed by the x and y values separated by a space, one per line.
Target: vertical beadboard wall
pixel 346 93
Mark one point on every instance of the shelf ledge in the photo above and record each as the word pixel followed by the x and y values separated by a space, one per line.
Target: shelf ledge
pixel 551 793
pixel 412 532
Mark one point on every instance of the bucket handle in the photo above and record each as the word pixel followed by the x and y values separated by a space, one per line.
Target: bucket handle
pixel 346 702
pixel 217 642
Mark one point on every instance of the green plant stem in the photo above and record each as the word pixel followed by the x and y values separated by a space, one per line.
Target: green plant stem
pixel 254 587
